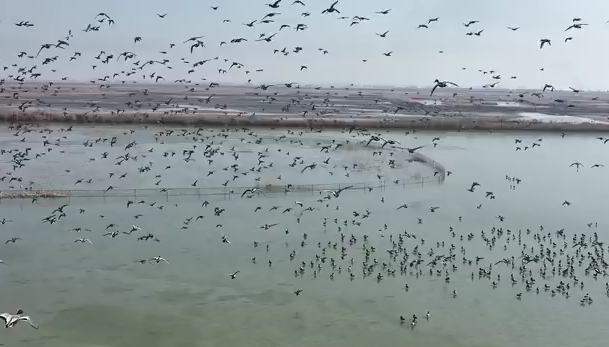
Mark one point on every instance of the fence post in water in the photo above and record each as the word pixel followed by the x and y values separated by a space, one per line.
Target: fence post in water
pixel 69 195
pixel 134 194
pixel 166 195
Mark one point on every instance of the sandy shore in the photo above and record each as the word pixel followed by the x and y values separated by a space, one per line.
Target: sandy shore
pixel 454 123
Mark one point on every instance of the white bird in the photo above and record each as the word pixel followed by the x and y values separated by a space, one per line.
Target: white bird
pixel 135 228
pixel 2 262
pixel 225 239
pixel 299 203
pixel 427 315
pixel 232 276
pixel 11 319
pixel 158 259
pixel 83 240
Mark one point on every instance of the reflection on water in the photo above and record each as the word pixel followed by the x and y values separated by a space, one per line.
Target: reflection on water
pixel 95 295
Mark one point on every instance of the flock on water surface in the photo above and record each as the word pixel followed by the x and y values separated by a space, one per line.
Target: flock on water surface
pixel 548 262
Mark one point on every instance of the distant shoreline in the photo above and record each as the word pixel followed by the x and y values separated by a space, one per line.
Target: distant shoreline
pixel 471 123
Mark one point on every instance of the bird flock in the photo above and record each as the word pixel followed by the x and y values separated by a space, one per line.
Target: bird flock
pixel 332 244
pixel 132 67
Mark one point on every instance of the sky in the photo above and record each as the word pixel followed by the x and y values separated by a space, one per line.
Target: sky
pixel 415 61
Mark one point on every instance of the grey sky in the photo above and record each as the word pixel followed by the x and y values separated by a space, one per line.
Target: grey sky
pixel 580 63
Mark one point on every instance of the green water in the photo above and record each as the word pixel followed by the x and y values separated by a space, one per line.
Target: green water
pixel 95 295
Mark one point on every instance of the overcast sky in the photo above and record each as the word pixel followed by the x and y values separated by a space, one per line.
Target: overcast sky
pixel 581 63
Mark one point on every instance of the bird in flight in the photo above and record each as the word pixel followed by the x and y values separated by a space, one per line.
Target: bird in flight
pixel 542 42
pixel 441 84
pixel 331 9
pixel 383 34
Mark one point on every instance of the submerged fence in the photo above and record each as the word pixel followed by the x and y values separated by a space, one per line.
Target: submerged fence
pixel 225 192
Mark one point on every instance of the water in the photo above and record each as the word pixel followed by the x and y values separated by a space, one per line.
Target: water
pixel 95 295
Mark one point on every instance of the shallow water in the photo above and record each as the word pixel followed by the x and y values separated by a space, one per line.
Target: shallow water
pixel 95 295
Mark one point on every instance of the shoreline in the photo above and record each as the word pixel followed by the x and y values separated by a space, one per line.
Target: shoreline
pixel 414 122
pixel 33 194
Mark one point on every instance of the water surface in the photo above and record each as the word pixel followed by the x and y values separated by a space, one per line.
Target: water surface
pixel 95 295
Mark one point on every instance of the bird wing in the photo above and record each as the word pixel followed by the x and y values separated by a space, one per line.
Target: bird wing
pixel 433 89
pixel 347 187
pixel 454 84
pixel 27 319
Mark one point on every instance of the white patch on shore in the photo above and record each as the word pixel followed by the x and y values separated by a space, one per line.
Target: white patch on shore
pixel 511 104
pixel 427 102
pixel 544 118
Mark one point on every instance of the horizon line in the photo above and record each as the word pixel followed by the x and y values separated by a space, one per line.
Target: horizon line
pixel 305 85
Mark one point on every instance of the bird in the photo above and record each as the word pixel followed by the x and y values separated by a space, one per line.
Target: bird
pixel 232 275
pixel 542 42
pixel 252 191
pixel 412 150
pixel 10 320
pixel 336 193
pixel 575 26
pixel 577 165
pixel 158 259
pixel 444 84
pixel 331 9
pixel 83 240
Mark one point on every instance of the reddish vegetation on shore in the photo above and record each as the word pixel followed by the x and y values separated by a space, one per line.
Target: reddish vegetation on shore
pixel 293 121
